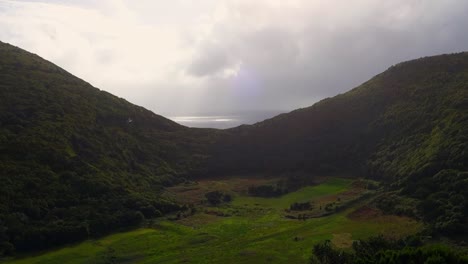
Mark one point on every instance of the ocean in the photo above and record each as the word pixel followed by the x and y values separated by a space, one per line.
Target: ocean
pixel 224 121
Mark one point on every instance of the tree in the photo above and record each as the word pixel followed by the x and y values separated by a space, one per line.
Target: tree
pixel 214 197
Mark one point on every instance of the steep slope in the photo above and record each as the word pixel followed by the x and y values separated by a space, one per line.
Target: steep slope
pixel 408 126
pixel 76 161
pixel 408 115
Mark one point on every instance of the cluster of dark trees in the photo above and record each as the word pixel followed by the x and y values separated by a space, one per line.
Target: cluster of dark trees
pixel 330 207
pixel 265 191
pixel 300 206
pixel 380 250
pixel 217 197
pixel 288 183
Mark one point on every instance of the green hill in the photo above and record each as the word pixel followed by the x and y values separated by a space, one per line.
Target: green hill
pixel 411 119
pixel 77 162
pixel 407 126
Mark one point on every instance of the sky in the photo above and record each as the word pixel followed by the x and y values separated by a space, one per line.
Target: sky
pixel 225 57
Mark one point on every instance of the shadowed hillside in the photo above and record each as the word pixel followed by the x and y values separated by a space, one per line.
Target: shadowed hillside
pixel 407 126
pixel 408 120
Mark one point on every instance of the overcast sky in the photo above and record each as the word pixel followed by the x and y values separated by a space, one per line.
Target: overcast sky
pixel 186 57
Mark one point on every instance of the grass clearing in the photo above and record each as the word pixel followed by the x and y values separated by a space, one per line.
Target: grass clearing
pixel 258 233
pixel 328 188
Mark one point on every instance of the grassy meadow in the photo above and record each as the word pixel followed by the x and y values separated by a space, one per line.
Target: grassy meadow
pixel 252 230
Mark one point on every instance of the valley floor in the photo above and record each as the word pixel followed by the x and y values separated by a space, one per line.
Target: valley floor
pixel 246 230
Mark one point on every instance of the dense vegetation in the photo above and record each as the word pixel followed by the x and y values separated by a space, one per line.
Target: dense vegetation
pixel 77 162
pixel 410 120
pixel 381 250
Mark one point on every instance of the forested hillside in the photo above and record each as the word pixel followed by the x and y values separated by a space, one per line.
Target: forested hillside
pixel 76 161
pixel 407 126
pixel 409 119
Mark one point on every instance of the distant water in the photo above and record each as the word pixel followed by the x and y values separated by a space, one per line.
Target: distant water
pixel 224 121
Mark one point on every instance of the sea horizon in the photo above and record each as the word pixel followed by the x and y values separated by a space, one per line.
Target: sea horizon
pixel 223 121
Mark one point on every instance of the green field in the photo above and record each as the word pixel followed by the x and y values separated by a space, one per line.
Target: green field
pixel 330 187
pixel 255 232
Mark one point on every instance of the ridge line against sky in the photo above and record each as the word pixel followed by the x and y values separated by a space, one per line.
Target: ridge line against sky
pixel 188 57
